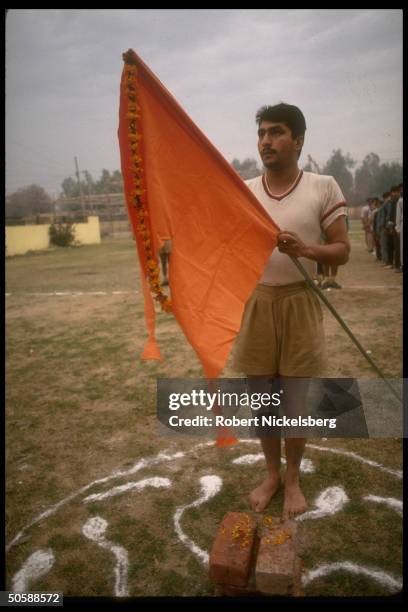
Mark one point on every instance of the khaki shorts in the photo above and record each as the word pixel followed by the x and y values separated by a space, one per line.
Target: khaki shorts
pixel 281 333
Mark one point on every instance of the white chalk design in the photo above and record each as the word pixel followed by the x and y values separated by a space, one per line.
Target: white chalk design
pixel 94 529
pixel 386 580
pixel 338 451
pixel 140 465
pixel 248 459
pixel 139 486
pixel 393 503
pixel 330 501
pixel 37 565
pixel 306 466
pixel 327 503
pixel 165 456
pixel 210 486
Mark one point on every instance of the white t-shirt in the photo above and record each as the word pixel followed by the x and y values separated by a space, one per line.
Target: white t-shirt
pixel 365 212
pixel 307 208
pixel 399 220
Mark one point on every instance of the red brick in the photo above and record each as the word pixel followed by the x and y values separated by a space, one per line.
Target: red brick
pixel 227 590
pixel 275 567
pixel 297 589
pixel 230 558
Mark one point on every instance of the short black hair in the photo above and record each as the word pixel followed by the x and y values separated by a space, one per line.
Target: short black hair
pixel 394 188
pixel 288 114
pixel 386 194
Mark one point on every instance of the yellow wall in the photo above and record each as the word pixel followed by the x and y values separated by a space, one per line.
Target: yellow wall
pixel 23 238
pixel 88 233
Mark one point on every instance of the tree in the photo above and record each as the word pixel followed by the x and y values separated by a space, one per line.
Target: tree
pixel 373 178
pixel 70 188
pixel 108 183
pixel 312 165
pixel 117 182
pixel 388 175
pixel 247 169
pixel 338 166
pixel 365 177
pixel 27 201
pixel 103 185
pixel 88 182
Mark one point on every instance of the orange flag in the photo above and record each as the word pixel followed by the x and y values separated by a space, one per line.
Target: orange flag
pixel 179 187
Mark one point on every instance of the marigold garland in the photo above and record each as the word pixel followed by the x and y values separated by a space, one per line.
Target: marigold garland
pixel 137 193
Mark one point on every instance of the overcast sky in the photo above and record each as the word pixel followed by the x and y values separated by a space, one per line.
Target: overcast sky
pixel 343 68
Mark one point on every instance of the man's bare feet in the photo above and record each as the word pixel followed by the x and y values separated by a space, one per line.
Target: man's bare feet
pixel 294 501
pixel 262 495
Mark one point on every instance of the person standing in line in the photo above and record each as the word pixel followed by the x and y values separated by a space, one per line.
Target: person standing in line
pixel 382 226
pixel 376 232
pixel 399 226
pixel 366 223
pixel 391 221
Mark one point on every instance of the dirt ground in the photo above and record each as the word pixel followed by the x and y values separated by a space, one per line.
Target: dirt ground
pixel 80 421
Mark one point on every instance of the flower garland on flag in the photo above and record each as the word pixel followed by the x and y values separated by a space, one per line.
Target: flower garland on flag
pixel 138 191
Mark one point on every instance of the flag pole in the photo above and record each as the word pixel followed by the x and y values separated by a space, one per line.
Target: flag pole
pixel 336 315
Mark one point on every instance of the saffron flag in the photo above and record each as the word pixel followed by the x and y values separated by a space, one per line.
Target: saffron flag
pixel 178 187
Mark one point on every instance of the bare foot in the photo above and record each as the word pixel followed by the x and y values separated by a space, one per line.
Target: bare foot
pixel 294 502
pixel 262 495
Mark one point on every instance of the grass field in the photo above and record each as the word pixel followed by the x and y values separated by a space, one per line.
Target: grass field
pixel 80 417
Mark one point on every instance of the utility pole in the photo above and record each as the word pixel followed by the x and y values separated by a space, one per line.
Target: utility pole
pixel 314 164
pixel 80 188
pixel 86 174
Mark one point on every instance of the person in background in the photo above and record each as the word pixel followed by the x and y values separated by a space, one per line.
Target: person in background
pixel 330 273
pixel 376 232
pixel 393 236
pixel 366 222
pixel 165 260
pixel 399 225
pixel 371 244
pixel 381 224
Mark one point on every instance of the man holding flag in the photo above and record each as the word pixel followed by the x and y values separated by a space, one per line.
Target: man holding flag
pixel 179 188
pixel 282 332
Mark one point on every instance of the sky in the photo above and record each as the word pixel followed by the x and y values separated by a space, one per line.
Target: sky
pixel 341 67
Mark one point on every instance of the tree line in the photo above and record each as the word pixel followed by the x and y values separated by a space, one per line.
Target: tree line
pixel 371 178
pixel 34 200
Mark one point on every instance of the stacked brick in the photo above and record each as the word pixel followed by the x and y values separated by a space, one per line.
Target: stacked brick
pixel 243 563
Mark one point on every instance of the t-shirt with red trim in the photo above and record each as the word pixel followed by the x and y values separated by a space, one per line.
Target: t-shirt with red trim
pixel 308 208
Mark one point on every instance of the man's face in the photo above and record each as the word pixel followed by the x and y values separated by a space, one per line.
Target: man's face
pixel 276 145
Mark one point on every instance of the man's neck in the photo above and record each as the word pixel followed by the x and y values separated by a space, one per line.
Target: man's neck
pixel 281 179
